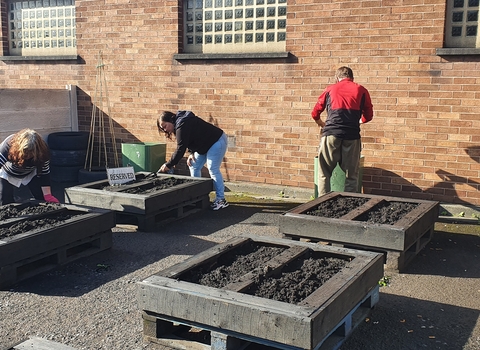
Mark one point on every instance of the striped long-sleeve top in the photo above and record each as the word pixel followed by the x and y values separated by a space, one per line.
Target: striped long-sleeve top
pixel 11 170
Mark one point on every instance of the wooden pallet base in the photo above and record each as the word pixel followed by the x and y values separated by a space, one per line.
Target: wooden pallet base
pixel 394 260
pixel 148 209
pixel 151 221
pixel 398 261
pixel 183 335
pixel 50 259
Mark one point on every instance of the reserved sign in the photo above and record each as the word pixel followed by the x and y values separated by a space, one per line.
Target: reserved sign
pixel 118 176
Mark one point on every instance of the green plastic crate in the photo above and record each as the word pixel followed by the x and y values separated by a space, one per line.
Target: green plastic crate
pixel 144 156
pixel 337 181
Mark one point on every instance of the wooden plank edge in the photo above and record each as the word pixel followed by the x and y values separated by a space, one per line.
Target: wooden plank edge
pixel 457 220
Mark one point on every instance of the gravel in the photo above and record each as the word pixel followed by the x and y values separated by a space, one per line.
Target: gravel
pixel 91 303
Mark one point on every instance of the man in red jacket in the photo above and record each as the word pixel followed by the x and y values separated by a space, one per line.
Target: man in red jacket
pixel 348 105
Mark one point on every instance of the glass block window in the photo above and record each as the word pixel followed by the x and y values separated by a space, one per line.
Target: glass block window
pixel 41 27
pixel 461 28
pixel 234 26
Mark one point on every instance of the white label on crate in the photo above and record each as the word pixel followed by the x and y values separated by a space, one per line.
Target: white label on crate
pixel 118 176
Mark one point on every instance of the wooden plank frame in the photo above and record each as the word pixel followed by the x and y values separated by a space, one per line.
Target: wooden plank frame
pixel 91 195
pixel 345 230
pixel 303 326
pixel 176 335
pixel 33 252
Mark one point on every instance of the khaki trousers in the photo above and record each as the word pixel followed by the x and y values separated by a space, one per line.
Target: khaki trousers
pixel 335 151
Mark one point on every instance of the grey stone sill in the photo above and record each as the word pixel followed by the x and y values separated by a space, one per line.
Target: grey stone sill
pixel 38 58
pixel 457 51
pixel 229 56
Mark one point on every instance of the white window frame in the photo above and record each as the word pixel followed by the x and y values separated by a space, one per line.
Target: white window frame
pixel 41 27
pixel 234 26
pixel 461 25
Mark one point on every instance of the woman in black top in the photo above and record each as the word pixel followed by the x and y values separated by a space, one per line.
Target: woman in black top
pixel 25 160
pixel 206 143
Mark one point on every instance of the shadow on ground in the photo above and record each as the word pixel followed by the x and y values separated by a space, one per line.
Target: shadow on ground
pixel 133 250
pixel 402 323
pixel 450 253
pixel 445 312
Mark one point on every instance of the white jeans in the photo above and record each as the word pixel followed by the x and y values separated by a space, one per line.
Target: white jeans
pixel 213 158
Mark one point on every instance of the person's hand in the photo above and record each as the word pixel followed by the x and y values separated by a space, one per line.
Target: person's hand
pixel 50 199
pixel 164 169
pixel 320 123
pixel 190 160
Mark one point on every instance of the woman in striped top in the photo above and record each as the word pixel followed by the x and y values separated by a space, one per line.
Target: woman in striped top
pixel 25 160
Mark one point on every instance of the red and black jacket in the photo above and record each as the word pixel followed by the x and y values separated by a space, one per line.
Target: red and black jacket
pixel 347 103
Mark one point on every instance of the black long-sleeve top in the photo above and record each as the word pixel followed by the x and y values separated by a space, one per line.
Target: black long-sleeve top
pixel 193 134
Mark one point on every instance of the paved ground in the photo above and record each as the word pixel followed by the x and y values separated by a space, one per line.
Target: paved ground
pixel 435 304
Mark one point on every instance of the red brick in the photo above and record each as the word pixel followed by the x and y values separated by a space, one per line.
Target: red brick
pixel 426 108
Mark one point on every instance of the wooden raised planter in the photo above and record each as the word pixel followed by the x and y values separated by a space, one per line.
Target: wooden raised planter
pixel 235 318
pixel 146 210
pixel 400 241
pixel 35 251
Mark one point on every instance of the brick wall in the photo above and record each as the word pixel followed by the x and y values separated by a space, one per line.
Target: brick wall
pixel 422 143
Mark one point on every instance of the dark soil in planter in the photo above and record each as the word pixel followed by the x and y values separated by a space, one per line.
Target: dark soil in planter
pixel 11 211
pixel 337 207
pixel 153 186
pixel 387 212
pixel 232 266
pixel 299 279
pixel 383 213
pixel 292 284
pixel 34 224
